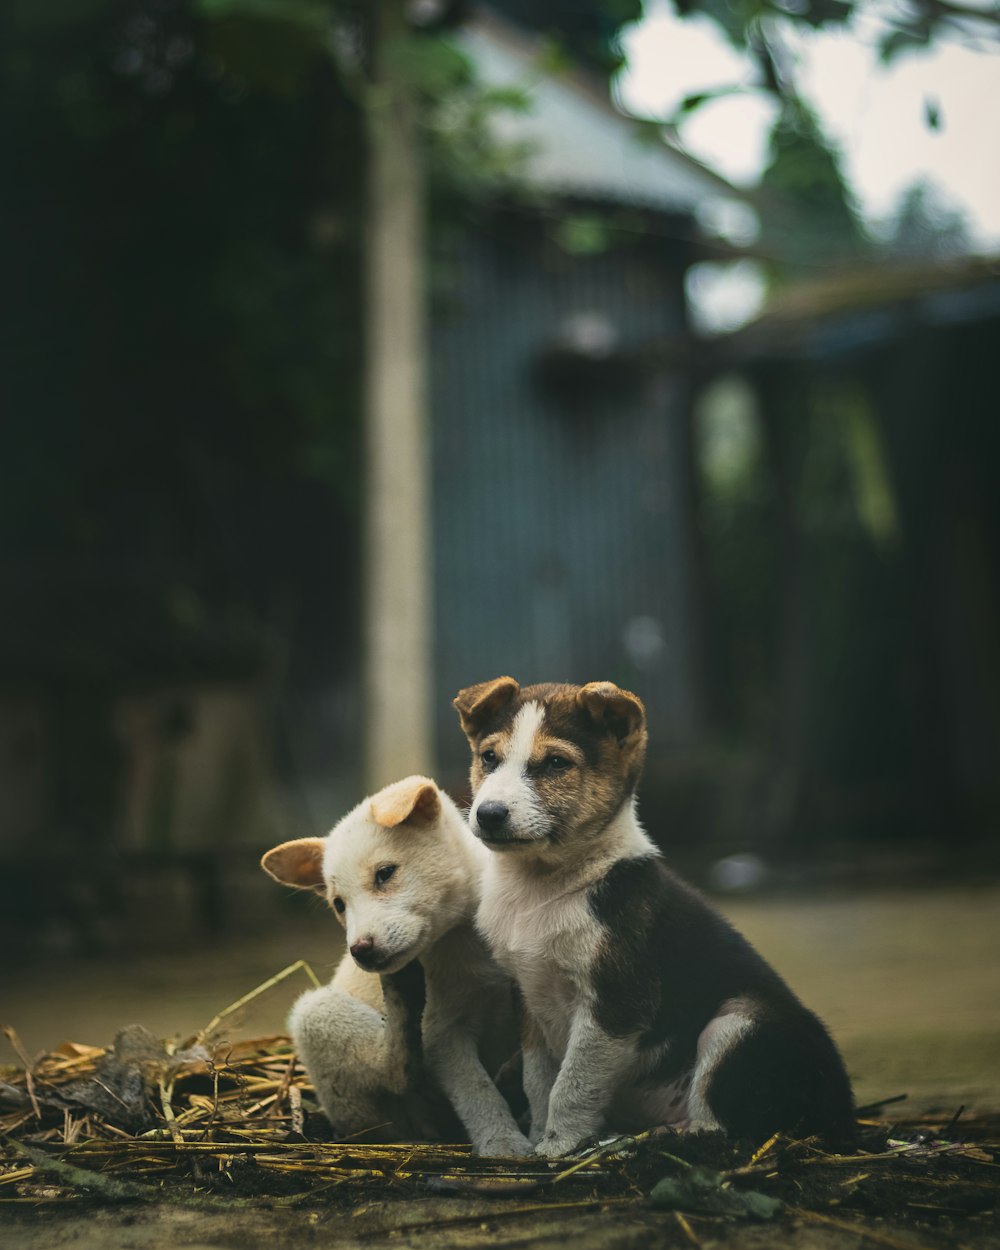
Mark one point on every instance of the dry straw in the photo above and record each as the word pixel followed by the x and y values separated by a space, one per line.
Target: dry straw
pixel 210 1119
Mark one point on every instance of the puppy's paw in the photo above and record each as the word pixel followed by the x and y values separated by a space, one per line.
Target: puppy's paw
pixel 506 1146
pixel 553 1146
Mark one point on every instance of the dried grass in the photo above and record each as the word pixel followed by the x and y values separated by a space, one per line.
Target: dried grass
pixel 232 1121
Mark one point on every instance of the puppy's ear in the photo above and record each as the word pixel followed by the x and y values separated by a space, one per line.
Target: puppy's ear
pixel 476 705
pixel 618 711
pixel 414 802
pixel 298 863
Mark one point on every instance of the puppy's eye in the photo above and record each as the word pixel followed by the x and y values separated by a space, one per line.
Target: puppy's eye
pixel 339 906
pixel 383 874
pixel 557 763
pixel 490 759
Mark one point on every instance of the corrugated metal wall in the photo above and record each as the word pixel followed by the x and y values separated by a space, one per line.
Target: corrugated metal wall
pixel 559 540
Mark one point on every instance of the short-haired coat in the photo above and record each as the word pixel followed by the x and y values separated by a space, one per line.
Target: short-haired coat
pixel 642 1005
pixel 402 872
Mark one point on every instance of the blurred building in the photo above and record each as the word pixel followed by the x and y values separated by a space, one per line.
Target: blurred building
pixel 563 514
pixel 786 540
pixel 153 737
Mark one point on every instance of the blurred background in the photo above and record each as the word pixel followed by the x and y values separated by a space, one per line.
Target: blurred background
pixel 355 352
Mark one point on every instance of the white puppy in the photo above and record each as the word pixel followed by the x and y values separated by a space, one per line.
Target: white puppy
pixel 402 872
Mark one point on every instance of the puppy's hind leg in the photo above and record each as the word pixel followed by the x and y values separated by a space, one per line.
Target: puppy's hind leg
pixel 760 1074
pixel 718 1039
pixel 341 1041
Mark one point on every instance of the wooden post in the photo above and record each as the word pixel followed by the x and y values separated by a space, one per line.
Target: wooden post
pixel 398 576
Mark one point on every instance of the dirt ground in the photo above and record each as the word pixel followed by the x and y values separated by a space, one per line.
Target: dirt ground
pixel 458 1225
pixel 908 982
pixel 934 1204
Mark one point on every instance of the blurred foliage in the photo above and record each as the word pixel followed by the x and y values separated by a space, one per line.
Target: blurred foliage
pixel 758 27
pixel 926 228
pixel 587 30
pixel 811 216
pixel 799 515
pixel 735 519
pixel 181 230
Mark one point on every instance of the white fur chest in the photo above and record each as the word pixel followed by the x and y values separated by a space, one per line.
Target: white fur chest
pixel 547 944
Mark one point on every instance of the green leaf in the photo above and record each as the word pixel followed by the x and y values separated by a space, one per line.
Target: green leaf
pixel 583 235
pixel 819 12
pixel 902 41
pixel 691 103
pixel 551 59
pixel 758 1206
pixel 647 132
pixel 513 99
pixel 433 66
pixel 704 1190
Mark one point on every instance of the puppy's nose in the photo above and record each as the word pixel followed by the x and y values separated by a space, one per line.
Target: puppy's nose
pixel 363 950
pixel 492 815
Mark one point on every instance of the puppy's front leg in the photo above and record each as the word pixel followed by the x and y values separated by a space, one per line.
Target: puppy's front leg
pixel 594 1064
pixel 540 1070
pixel 453 1058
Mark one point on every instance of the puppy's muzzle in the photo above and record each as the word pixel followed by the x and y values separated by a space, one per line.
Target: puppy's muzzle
pixel 492 817
pixel 366 954
pixel 492 825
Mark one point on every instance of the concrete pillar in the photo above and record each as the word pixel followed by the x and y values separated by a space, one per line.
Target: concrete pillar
pixel 398 573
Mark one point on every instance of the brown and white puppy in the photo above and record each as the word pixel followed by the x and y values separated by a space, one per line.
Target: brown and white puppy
pixel 642 1005
pixel 402 872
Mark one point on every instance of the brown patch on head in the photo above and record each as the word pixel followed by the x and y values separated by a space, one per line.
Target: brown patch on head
pixel 479 706
pixel 298 863
pixel 414 802
pixel 598 728
pixel 605 721
pixel 607 725
pixel 619 710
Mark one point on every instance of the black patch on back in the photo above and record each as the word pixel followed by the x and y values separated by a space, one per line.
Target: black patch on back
pixel 666 965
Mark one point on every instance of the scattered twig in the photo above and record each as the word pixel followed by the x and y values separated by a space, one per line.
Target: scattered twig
pixel 295 1104
pixel 496 1217
pixel 687 1230
pixel 871 1107
pixel 618 1146
pixel 78 1178
pixel 12 1037
pixel 949 1128
pixel 759 1153
pixel 299 965
pixel 216 1108
pixel 858 1230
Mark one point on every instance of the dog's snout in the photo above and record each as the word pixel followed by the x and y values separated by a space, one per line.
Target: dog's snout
pixel 492 815
pixel 363 951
